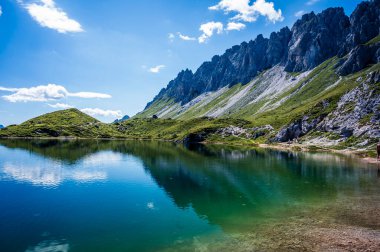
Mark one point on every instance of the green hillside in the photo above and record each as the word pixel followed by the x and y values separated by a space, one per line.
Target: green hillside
pixel 316 95
pixel 63 123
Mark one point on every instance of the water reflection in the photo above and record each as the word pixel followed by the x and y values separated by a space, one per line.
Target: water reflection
pixel 50 246
pixel 232 188
pixel 40 172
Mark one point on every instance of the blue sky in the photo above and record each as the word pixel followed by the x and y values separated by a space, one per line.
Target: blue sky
pixel 109 58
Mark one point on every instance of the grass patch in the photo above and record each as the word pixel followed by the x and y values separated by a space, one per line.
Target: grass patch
pixel 374 40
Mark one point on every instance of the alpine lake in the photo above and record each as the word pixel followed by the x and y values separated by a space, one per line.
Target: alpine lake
pixel 88 195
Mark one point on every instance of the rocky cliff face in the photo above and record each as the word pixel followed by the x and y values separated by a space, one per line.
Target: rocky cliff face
pixel 364 25
pixel 357 115
pixel 239 64
pixel 358 111
pixel 359 57
pixel 316 38
pixel 312 40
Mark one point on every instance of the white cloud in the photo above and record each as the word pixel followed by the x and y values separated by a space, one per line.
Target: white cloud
pixel 185 37
pixel 1 11
pixel 47 14
pixel 45 93
pixel 249 13
pixel 299 13
pixel 311 2
pixel 235 26
pixel 208 30
pixel 37 94
pixel 156 69
pixel 89 95
pixel 101 112
pixel 171 37
pixel 61 106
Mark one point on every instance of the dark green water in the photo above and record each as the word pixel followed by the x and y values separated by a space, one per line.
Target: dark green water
pixel 149 196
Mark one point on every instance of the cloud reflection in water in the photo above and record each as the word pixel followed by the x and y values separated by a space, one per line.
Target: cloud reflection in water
pixel 53 173
pixel 50 246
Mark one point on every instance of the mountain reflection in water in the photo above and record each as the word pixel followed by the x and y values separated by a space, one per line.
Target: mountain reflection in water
pixel 232 188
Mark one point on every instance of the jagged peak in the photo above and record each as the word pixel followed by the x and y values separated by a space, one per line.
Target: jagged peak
pixel 312 39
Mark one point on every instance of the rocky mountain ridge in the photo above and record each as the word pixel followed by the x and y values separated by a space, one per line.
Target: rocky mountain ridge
pixel 316 91
pixel 313 39
pixel 124 118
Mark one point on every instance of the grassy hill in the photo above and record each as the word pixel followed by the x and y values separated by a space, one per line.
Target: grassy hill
pixel 346 111
pixel 63 123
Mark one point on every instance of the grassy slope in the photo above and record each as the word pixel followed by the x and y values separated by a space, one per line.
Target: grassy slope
pixel 156 107
pixel 64 123
pixel 220 101
pixel 315 83
pixel 307 94
pixel 73 123
pixel 373 41
pixel 305 98
pixel 320 87
pixel 168 129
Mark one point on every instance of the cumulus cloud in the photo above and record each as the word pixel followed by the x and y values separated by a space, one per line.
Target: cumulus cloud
pixel 45 93
pixel 47 14
pixel 101 112
pixel 156 69
pixel 185 37
pixel 311 2
pixel 61 106
pixel 249 13
pixel 299 13
pixel 231 26
pixel 209 29
pixel 1 10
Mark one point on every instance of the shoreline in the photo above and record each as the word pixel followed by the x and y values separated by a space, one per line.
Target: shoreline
pixel 278 146
pixel 306 148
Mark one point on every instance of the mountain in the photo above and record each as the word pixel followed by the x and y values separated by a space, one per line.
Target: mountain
pixel 312 40
pixel 1 126
pixel 63 123
pixel 318 80
pixel 124 118
pixel 317 83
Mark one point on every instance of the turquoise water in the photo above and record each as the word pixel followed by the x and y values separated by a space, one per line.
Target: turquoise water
pixel 150 196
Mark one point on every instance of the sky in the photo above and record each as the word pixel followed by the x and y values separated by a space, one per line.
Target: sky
pixel 110 58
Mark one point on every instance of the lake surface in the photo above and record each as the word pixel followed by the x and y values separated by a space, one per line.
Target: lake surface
pixel 153 196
